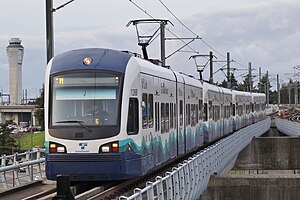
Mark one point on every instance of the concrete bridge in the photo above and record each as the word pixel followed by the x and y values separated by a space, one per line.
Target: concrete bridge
pixel 18 113
pixel 268 168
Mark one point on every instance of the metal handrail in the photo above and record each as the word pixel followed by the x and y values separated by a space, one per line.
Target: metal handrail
pixel 30 158
pixel 190 179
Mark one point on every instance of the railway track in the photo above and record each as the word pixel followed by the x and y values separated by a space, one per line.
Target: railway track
pixel 292 114
pixel 93 191
pixel 110 191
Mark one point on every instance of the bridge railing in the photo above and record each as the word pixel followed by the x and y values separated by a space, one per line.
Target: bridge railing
pixel 288 127
pixel 190 179
pixel 13 165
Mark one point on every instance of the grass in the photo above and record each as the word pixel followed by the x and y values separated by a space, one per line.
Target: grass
pixel 38 140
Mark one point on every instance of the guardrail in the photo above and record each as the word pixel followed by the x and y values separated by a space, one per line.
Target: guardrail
pixel 19 162
pixel 288 127
pixel 190 179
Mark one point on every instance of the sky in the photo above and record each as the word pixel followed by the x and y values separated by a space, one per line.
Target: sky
pixel 265 33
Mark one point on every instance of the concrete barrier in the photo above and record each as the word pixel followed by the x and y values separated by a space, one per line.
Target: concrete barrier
pixel 270 153
pixel 288 127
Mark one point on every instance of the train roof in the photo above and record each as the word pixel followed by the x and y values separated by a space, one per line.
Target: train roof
pixel 210 87
pixel 155 70
pixel 105 59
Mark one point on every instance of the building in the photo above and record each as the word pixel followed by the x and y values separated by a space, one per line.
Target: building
pixel 13 111
pixel 15 52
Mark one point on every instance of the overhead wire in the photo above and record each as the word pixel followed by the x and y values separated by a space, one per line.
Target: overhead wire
pixel 189 29
pixel 145 11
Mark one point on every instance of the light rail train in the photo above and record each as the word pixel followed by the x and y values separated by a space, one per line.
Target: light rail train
pixel 110 115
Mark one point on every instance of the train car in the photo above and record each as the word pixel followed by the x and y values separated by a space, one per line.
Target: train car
pixel 258 106
pixel 212 111
pixel 193 93
pixel 242 109
pixel 226 108
pixel 112 116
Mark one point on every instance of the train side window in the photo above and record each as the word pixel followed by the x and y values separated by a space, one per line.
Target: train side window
pixel 192 114
pixel 181 113
pixel 156 118
pixel 201 114
pixel 175 115
pixel 150 110
pixel 167 118
pixel 133 117
pixel 163 113
pixel 233 109
pixel 188 114
pixel 205 118
pixel 197 113
pixel 144 111
pixel 210 110
pixel 171 115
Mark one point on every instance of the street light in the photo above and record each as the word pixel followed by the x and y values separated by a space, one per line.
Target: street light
pixel 49 26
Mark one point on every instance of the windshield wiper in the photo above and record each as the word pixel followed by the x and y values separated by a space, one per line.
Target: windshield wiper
pixel 76 121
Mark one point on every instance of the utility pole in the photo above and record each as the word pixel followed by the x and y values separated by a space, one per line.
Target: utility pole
pixel 211 80
pixel 228 71
pixel 267 89
pixel 49 29
pixel 278 91
pixel 250 77
pixel 289 88
pixel 49 26
pixel 163 42
pixel 259 75
pixel 296 94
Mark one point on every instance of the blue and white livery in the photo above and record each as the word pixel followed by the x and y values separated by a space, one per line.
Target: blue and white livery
pixel 110 115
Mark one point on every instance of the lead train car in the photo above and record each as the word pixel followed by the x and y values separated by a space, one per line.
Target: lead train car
pixel 143 124
pixel 112 116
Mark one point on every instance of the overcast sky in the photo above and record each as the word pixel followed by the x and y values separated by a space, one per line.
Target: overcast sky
pixel 265 33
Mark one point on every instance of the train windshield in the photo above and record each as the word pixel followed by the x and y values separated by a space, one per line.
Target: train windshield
pixel 85 99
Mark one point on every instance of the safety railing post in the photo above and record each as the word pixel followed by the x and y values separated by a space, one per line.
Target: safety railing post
pixel 3 174
pixel 169 186
pixel 38 157
pixel 159 188
pixel 176 183
pixel 28 173
pixel 187 179
pixel 16 174
pixel 150 191
pixel 181 181
pixel 139 192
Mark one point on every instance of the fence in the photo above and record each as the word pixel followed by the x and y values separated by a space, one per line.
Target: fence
pixel 288 127
pixel 12 166
pixel 190 179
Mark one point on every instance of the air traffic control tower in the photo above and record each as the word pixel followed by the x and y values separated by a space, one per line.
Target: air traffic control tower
pixel 15 52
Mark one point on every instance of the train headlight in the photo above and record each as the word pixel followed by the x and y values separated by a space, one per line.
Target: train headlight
pixel 60 149
pixel 87 61
pixel 105 149
pixel 112 147
pixel 57 148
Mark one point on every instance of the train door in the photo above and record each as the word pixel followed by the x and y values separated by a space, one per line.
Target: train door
pixel 222 101
pixel 180 119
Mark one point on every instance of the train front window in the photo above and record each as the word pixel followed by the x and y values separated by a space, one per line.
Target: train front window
pixel 85 99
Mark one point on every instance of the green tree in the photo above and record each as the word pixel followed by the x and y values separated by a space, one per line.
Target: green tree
pixel 245 85
pixel 233 82
pixel 39 113
pixel 7 143
pixel 262 85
